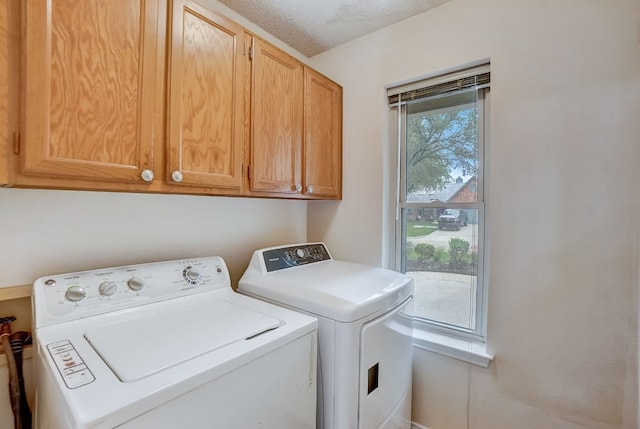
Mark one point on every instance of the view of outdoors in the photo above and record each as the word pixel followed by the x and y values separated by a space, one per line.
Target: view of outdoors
pixel 442 209
pixel 443 263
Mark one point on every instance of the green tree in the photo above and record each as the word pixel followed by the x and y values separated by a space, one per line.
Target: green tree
pixel 439 141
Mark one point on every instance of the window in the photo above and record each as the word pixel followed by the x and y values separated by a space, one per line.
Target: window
pixel 441 131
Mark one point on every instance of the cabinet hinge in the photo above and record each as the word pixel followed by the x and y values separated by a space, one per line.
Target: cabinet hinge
pixel 16 143
pixel 248 172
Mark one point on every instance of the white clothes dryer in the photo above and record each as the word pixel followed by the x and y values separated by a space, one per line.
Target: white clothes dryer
pixel 169 345
pixel 365 333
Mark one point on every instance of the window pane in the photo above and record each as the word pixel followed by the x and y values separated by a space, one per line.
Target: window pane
pixel 441 254
pixel 440 230
pixel 442 148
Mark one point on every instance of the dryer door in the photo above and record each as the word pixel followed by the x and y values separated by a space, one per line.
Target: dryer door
pixel 385 370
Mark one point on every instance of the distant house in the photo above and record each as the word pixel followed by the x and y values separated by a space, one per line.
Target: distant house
pixel 467 193
pixel 459 191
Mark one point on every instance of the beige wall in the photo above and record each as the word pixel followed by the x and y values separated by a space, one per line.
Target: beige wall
pixel 44 232
pixel 564 168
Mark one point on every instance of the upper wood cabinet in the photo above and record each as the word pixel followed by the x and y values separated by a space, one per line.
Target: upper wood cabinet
pixel 276 120
pixel 161 96
pixel 89 89
pixel 296 128
pixel 206 99
pixel 322 136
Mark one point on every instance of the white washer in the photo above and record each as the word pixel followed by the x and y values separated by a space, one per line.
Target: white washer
pixel 364 330
pixel 169 345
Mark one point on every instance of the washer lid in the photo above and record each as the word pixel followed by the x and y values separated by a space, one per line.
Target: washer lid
pixel 138 347
pixel 338 290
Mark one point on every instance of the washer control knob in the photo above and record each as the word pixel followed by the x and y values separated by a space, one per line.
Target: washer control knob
pixel 75 293
pixel 135 283
pixel 108 288
pixel 192 275
pixel 300 253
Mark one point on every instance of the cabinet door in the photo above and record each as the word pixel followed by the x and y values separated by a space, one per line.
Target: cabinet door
pixel 206 102
pixel 276 115
pixel 9 81
pixel 89 88
pixel 322 136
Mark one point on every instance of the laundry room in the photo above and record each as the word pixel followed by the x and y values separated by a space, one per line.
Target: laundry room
pixel 549 333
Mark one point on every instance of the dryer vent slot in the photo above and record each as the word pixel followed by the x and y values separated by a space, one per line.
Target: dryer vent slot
pixel 373 378
pixel 261 332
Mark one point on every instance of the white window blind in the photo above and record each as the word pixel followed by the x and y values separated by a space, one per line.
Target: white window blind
pixel 475 77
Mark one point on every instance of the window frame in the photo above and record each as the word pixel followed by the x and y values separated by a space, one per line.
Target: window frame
pixel 398 116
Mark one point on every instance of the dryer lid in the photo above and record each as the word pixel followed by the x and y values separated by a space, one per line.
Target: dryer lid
pixel 338 290
pixel 142 346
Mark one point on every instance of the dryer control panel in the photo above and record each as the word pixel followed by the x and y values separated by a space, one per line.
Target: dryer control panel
pixel 293 256
pixel 71 296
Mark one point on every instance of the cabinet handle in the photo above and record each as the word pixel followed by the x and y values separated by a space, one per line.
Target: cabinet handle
pixel 310 189
pixel 298 188
pixel 147 175
pixel 177 176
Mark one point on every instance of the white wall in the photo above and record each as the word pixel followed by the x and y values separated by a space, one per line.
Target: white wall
pixel 44 232
pixel 564 227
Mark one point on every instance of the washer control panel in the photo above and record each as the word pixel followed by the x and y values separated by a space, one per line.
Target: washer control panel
pixel 72 368
pixel 73 296
pixel 293 256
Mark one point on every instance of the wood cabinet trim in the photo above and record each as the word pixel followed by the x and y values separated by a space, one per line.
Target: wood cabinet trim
pixel 15 292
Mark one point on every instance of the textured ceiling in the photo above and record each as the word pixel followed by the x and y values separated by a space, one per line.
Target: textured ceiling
pixel 314 26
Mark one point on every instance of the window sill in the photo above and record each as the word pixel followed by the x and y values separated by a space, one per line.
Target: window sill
pixel 469 351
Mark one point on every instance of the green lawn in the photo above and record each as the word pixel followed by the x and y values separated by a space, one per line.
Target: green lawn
pixel 420 229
